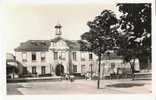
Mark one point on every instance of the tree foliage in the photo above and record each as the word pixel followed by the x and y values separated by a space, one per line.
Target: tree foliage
pixel 135 38
pixel 101 33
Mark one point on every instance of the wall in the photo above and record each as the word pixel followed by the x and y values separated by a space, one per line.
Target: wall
pixel 106 65
pixel 29 63
pixel 50 63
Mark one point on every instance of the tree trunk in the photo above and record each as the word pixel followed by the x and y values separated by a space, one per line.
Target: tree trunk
pixel 13 73
pixel 132 64
pixel 98 83
pixel 91 72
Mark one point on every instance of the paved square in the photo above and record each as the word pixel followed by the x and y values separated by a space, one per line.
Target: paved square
pixel 80 87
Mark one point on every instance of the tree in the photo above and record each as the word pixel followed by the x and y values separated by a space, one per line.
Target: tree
pixel 100 35
pixel 135 38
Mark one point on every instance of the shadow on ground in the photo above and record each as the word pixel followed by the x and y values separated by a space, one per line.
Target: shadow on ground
pixel 125 85
pixel 13 89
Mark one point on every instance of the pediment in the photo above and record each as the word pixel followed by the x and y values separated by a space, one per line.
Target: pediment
pixel 58 45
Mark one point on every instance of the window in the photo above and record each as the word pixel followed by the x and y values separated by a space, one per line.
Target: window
pixel 34 70
pixel 33 56
pixel 74 55
pixel 25 71
pixel 82 68
pixel 90 56
pixel 112 65
pixel 74 68
pixel 43 70
pixel 55 55
pixel 82 57
pixel 62 56
pixel 54 44
pixel 24 56
pixel 91 67
pixel 42 56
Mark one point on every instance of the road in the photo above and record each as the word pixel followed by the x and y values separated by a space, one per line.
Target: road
pixel 79 87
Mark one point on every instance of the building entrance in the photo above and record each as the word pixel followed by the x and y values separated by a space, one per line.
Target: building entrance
pixel 59 70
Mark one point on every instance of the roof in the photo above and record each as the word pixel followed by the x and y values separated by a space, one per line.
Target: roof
pixel 43 45
pixel 110 55
pixel 10 60
pixel 10 56
pixel 34 45
pixel 72 44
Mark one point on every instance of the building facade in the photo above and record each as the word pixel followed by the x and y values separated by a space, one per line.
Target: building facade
pixel 116 66
pixel 56 56
pixel 60 56
pixel 12 68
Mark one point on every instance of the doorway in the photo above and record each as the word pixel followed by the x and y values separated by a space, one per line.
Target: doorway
pixel 59 70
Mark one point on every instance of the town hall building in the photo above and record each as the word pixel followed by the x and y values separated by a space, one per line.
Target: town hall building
pixel 60 56
pixel 57 56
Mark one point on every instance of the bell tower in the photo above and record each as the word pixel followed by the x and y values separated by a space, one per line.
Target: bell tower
pixel 58 31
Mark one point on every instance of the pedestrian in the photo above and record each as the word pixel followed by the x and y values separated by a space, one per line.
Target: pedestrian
pixel 71 78
pixel 66 76
pixel 85 75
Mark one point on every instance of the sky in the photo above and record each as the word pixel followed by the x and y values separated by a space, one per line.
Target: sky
pixel 22 22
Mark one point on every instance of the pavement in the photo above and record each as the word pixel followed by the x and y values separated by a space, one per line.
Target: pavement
pixel 121 86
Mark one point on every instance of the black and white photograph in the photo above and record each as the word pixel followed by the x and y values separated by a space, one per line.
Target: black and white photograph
pixel 77 48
